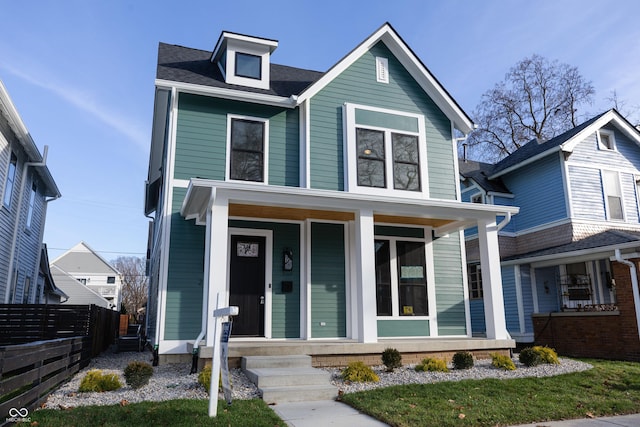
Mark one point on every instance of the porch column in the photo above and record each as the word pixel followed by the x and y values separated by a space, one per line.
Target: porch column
pixel 496 324
pixel 366 273
pixel 216 259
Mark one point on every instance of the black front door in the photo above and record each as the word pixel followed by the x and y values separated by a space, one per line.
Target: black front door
pixel 246 284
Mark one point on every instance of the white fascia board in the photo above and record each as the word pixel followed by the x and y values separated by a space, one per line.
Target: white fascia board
pixel 296 197
pixel 609 116
pixel 505 195
pixel 413 65
pixel 236 95
pixel 526 162
pixel 564 257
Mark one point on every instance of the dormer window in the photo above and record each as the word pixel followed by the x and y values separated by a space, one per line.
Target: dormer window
pixel 244 60
pixel 249 66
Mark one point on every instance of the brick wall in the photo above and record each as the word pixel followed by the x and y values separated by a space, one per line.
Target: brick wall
pixel 593 334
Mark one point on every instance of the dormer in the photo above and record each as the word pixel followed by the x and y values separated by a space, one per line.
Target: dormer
pixel 244 60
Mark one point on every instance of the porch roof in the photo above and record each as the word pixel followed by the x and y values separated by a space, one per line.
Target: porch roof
pixel 444 216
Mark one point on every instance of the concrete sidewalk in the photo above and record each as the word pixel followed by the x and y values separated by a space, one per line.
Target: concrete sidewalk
pixel 338 414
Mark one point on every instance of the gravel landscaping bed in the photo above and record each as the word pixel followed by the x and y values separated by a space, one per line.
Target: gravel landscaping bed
pixel 173 381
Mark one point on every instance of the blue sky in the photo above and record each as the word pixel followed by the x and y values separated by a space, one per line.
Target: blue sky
pixel 81 74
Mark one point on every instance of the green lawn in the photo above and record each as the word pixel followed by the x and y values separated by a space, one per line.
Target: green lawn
pixel 610 388
pixel 187 413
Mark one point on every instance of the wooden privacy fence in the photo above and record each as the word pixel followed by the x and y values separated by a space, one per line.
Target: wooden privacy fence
pixel 23 323
pixel 28 372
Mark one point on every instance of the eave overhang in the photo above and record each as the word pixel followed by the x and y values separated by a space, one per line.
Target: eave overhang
pixel 452 215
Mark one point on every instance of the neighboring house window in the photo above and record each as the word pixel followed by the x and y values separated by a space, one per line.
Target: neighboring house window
pixel 249 66
pixel 613 195
pixel 384 150
pixel 11 176
pixel 382 70
pixel 26 290
pixel 32 202
pixel 475 281
pixel 477 198
pixel 606 140
pixel 111 280
pixel 247 149
pixel 82 280
pixel 401 281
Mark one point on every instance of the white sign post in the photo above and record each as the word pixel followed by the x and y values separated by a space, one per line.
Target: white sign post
pixel 218 314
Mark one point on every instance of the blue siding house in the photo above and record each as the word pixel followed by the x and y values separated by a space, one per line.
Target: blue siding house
pixel 579 205
pixel 325 205
pixel 26 188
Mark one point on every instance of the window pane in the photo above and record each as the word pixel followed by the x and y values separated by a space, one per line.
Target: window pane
pixel 247 150
pixel 412 279
pixel 406 163
pixel 246 166
pixel 11 175
pixel 615 207
pixel 248 66
pixel 371 164
pixel 383 278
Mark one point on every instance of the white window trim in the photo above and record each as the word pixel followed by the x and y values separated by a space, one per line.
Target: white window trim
pixel 382 69
pixel 611 136
pixel 32 205
pixel 477 196
pixel 6 182
pixel 265 157
pixel 233 47
pixel 429 277
pixel 606 196
pixel 351 157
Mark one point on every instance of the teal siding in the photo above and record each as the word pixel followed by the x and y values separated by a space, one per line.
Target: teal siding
pixel 328 303
pixel 386 230
pixel 448 271
pixel 478 322
pixel 510 298
pixel 403 328
pixel 357 84
pixel 285 311
pixel 539 192
pixel 183 316
pixel 201 138
pixel 527 297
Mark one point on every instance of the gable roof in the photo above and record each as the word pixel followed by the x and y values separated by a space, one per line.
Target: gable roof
pixel 81 259
pixel 291 86
pixel 76 292
pixel 566 142
pixel 427 81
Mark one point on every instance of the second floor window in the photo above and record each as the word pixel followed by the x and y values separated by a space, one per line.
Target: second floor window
pixel 11 177
pixel 613 195
pixel 247 148
pixel 32 203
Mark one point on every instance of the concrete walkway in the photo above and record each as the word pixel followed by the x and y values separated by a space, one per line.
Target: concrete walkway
pixel 338 414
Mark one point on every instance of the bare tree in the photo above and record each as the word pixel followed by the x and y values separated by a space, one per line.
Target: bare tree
pixel 629 112
pixel 538 99
pixel 134 282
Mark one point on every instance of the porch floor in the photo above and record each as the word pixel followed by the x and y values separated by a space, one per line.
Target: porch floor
pixel 341 352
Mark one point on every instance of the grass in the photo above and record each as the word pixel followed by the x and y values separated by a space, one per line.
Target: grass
pixel 610 388
pixel 172 413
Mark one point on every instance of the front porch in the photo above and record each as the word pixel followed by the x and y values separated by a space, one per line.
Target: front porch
pixel 341 352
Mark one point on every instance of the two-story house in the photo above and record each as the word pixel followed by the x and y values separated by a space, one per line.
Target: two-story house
pixel 27 187
pixel 325 205
pixel 578 222
pixel 90 269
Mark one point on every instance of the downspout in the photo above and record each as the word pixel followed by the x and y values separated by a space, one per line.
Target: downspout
pixel 634 285
pixel 16 227
pixel 44 218
pixel 505 221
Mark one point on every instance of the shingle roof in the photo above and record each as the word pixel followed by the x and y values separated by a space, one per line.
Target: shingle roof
pixel 187 65
pixel 480 172
pixel 604 239
pixel 533 148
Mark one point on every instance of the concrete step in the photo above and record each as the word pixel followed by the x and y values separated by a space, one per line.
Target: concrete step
pixel 288 361
pixel 278 377
pixel 274 395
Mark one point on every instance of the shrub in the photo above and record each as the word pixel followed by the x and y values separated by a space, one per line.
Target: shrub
pixel 204 377
pixel 95 380
pixel 358 372
pixel 462 360
pixel 392 359
pixel 502 362
pixel 534 356
pixel 432 365
pixel 137 374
